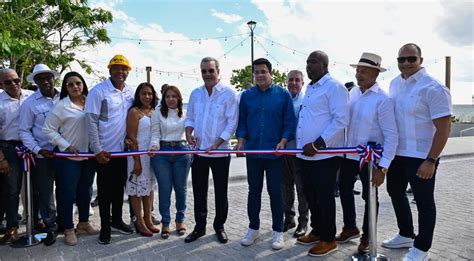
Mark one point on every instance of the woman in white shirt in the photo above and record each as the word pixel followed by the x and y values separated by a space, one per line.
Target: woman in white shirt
pixel 65 127
pixel 167 133
pixel 140 175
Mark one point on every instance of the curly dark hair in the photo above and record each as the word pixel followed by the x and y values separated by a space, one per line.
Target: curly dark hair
pixel 164 107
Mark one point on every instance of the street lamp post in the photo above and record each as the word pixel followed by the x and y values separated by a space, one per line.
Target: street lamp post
pixel 251 25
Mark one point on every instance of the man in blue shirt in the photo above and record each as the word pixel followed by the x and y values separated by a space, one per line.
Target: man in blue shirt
pixel 266 121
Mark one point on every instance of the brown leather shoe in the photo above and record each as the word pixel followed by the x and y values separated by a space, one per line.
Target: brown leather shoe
pixel 347 234
pixel 9 236
pixel 85 227
pixel 308 239
pixel 363 246
pixel 323 248
pixel 70 237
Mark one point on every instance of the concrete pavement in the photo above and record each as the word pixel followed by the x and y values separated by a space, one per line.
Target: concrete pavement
pixel 452 240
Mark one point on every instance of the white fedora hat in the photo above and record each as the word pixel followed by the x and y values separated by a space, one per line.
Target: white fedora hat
pixel 41 68
pixel 370 60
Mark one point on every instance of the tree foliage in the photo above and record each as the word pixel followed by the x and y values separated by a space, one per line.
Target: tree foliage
pixel 241 77
pixel 50 32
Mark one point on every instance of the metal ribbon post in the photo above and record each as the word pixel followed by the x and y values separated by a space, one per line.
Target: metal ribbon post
pixel 372 255
pixel 29 238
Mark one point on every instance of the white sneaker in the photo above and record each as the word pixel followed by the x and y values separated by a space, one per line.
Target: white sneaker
pixel 250 237
pixel 398 241
pixel 277 240
pixel 414 254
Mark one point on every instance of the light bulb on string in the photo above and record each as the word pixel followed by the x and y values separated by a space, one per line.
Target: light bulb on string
pixel 171 42
pixel 225 39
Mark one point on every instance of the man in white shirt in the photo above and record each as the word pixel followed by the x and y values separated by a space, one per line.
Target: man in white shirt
pixel 371 120
pixel 33 112
pixel 211 120
pixel 323 117
pixel 423 112
pixel 10 163
pixel 292 175
pixel 106 111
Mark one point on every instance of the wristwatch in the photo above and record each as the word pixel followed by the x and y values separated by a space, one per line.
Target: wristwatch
pixel 431 160
pixel 384 170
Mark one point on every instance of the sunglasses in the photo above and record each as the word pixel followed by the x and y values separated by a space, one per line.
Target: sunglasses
pixel 9 82
pixel 410 59
pixel 204 71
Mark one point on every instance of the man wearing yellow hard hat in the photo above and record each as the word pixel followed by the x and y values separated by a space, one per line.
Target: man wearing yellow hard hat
pixel 106 112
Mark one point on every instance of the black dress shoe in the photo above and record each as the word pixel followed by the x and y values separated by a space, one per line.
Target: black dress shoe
pixel 193 236
pixel 50 239
pixel 222 236
pixel 288 225
pixel 300 231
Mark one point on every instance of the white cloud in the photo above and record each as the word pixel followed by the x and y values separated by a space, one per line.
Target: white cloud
pixel 220 30
pixel 227 18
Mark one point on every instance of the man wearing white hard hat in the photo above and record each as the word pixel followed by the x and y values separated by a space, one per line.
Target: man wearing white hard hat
pixel 371 119
pixel 106 111
pixel 33 112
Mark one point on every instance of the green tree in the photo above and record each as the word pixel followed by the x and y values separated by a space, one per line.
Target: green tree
pixel 241 77
pixel 50 32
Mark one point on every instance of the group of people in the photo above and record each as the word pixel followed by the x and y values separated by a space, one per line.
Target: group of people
pixel 411 122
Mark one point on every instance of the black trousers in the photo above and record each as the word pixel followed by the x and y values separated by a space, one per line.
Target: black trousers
pixel 200 178
pixel 319 178
pixel 111 178
pixel 401 171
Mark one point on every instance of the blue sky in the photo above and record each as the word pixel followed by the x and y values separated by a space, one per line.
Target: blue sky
pixel 286 32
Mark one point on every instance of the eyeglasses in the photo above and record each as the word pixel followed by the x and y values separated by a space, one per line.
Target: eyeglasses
pixel 211 71
pixel 9 82
pixel 410 59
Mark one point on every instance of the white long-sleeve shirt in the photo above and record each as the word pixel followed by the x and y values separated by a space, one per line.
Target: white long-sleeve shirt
pixel 213 116
pixel 10 115
pixel 325 113
pixel 418 101
pixel 372 119
pixel 33 112
pixel 65 125
pixel 170 128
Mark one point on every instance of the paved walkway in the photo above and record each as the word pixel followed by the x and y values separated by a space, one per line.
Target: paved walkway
pixel 452 241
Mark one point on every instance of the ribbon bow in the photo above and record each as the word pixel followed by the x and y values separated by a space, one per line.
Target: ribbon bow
pixel 369 153
pixel 27 156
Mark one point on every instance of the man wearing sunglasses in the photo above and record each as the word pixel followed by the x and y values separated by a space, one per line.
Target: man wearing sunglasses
pixel 210 122
pixel 423 112
pixel 10 163
pixel 33 112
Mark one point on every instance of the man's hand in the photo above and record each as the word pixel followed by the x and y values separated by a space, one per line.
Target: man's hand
pixel 281 145
pixel 308 150
pixel 239 145
pixel 72 149
pixel 213 147
pixel 103 157
pixel 191 139
pixel 378 177
pixel 426 170
pixel 4 167
pixel 46 153
pixel 154 147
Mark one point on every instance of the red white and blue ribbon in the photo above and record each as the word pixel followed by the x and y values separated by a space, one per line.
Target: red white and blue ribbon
pixel 27 156
pixel 369 153
pixel 350 150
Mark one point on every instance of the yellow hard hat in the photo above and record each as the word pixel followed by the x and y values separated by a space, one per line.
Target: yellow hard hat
pixel 119 59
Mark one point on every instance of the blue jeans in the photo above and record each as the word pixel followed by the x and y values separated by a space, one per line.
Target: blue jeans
pixel 172 172
pixel 42 177
pixel 401 172
pixel 75 180
pixel 256 167
pixel 12 184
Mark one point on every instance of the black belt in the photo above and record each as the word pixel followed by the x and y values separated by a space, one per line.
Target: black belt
pixel 11 142
pixel 179 143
